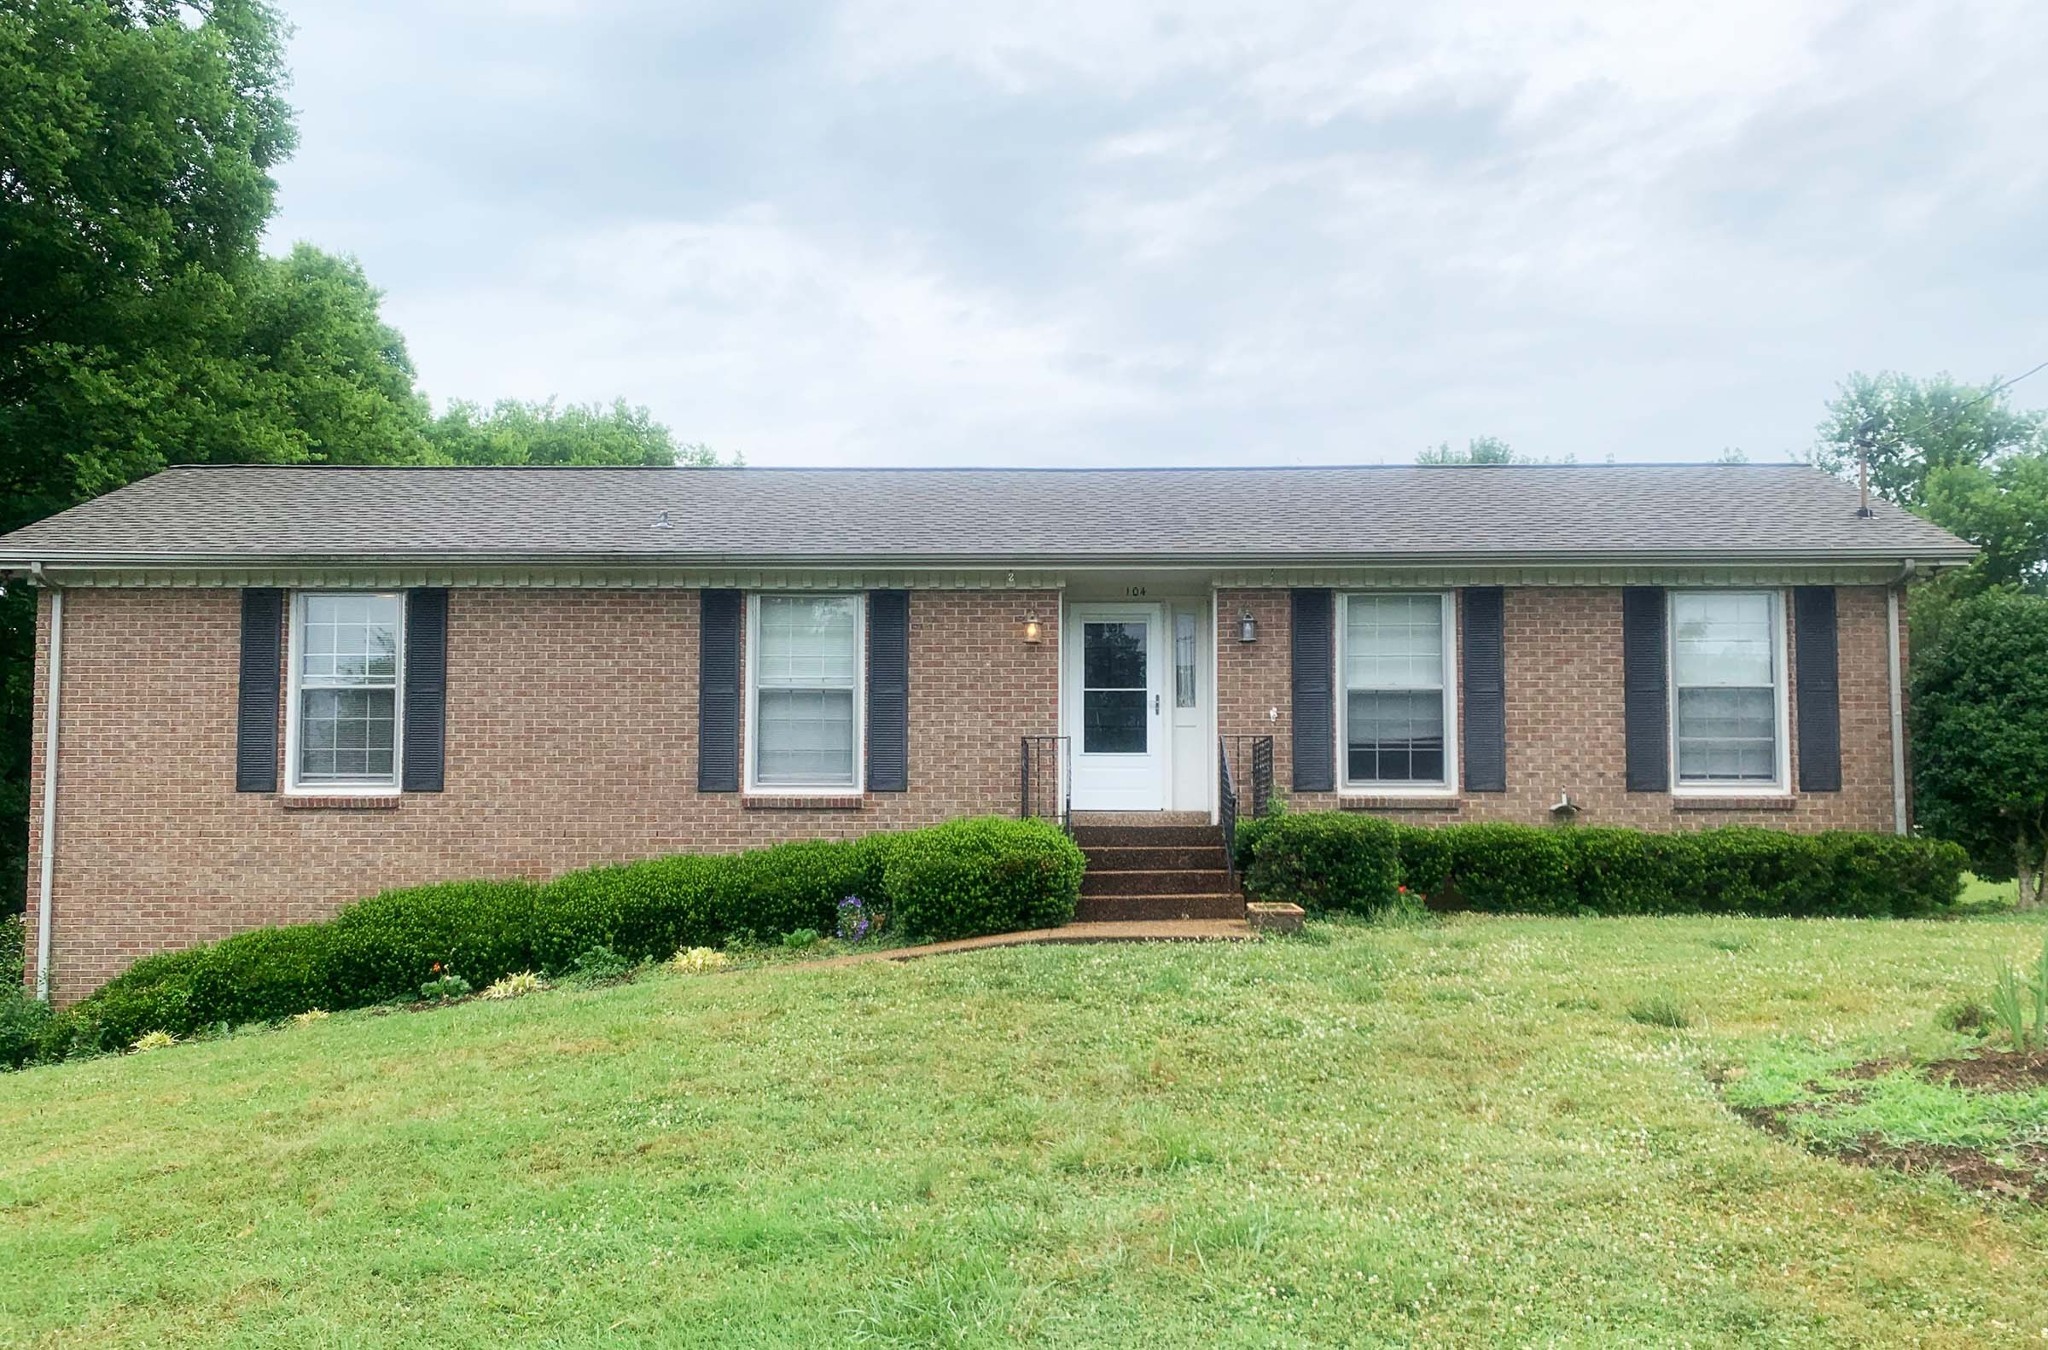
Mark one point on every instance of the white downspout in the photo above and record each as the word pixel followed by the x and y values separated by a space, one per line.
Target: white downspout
pixel 1898 704
pixel 48 849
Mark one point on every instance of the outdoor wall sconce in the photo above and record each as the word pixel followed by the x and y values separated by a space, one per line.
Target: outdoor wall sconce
pixel 1247 627
pixel 1033 630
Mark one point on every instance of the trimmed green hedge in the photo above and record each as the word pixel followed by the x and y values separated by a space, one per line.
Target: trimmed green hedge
pixel 1340 862
pixel 960 879
pixel 965 879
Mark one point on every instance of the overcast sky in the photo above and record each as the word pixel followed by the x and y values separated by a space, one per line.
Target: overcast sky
pixel 1084 231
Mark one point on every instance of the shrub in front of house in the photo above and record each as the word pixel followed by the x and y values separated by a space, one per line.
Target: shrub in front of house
pixel 1328 862
pixel 961 879
pixel 1510 869
pixel 1617 871
pixel 987 875
pixel 1334 862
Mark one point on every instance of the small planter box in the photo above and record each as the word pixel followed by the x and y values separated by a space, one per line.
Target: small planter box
pixel 1267 917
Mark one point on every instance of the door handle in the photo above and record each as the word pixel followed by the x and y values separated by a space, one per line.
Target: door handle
pixel 1155 705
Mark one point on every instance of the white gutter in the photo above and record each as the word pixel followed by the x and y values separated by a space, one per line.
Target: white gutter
pixel 990 559
pixel 48 850
pixel 1898 702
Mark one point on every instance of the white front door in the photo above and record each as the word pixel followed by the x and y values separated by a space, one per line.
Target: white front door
pixel 1116 680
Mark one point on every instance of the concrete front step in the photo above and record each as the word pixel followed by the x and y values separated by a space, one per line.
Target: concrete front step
pixel 1104 881
pixel 1120 908
pixel 1147 836
pixel 1157 858
pixel 1143 819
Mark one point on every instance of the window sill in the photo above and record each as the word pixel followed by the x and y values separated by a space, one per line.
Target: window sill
pixel 1708 802
pixel 383 801
pixel 793 802
pixel 1441 802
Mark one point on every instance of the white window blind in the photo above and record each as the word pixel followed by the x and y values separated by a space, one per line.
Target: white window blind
pixel 1394 689
pixel 1726 668
pixel 806 676
pixel 347 698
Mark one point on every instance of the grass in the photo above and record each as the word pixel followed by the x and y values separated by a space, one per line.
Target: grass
pixel 1899 1108
pixel 1987 897
pixel 1457 1133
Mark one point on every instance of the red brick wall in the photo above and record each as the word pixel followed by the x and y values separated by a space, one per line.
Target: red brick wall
pixel 1564 715
pixel 571 740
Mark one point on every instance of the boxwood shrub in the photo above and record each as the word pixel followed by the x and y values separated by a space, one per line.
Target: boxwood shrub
pixel 987 875
pixel 961 879
pixel 1324 861
pixel 1337 862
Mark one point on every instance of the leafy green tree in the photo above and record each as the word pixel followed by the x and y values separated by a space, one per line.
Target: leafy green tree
pixel 136 143
pixel 1960 455
pixel 140 325
pixel 136 140
pixel 2002 507
pixel 514 432
pixel 1478 450
pixel 1980 729
pixel 1914 429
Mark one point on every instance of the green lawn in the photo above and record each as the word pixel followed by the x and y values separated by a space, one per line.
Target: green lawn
pixel 1450 1134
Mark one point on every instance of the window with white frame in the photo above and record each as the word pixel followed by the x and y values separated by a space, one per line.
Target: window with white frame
pixel 1395 660
pixel 1727 675
pixel 805 669
pixel 344 706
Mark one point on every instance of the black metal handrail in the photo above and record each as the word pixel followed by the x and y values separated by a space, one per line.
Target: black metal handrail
pixel 1044 781
pixel 1255 753
pixel 1226 806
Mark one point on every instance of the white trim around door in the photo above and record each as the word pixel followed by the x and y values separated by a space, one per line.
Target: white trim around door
pixel 1114 699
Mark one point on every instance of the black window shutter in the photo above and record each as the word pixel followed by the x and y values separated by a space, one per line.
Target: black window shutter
pixel 1820 713
pixel 1646 695
pixel 1486 692
pixel 718 691
pixel 426 689
pixel 1311 620
pixel 888 691
pixel 256 700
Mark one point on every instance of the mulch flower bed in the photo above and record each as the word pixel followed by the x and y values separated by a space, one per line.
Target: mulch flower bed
pixel 2018 1171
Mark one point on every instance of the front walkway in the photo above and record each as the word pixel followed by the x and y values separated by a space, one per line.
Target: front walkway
pixel 1137 930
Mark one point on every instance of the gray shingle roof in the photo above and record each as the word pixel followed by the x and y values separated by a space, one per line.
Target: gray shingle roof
pixel 252 514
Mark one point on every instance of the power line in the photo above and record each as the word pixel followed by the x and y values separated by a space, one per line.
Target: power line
pixel 1999 387
pixel 1864 432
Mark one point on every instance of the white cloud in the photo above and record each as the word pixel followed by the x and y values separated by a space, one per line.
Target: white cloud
pixel 772 342
pixel 928 230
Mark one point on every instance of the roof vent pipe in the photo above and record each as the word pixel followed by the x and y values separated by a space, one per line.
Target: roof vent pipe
pixel 1865 432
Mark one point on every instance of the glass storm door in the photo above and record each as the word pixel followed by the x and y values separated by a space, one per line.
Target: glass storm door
pixel 1115 712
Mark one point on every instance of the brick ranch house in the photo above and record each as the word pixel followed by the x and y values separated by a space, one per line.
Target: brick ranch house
pixel 265 691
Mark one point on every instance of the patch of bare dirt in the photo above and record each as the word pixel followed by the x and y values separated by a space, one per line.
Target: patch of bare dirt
pixel 1969 1168
pixel 1993 1071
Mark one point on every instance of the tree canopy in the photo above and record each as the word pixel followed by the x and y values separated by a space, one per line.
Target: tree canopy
pixel 512 432
pixel 1916 428
pixel 1478 450
pixel 1980 735
pixel 141 325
